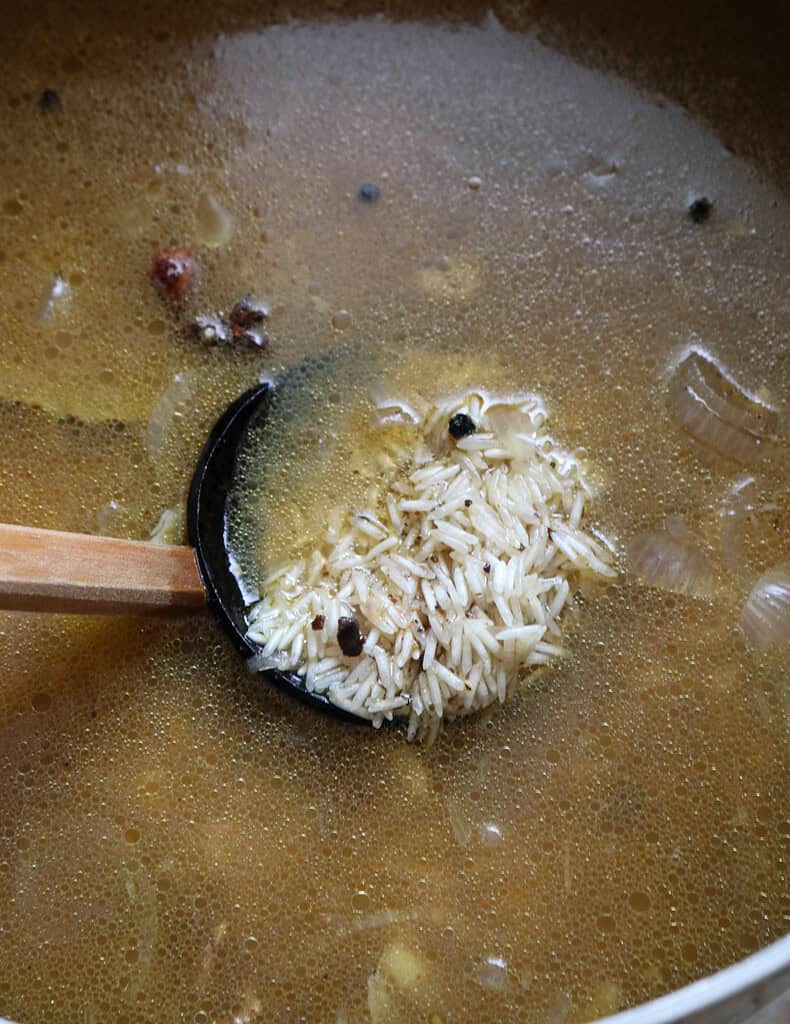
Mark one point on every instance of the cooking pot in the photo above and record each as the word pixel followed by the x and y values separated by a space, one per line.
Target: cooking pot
pixel 759 984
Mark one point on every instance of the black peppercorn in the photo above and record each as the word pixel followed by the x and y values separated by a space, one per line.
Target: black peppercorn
pixel 699 210
pixel 461 425
pixel 349 637
pixel 49 101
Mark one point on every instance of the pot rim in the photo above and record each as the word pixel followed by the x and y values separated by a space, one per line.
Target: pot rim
pixel 730 995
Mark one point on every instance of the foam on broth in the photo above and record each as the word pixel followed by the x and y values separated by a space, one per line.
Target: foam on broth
pixel 177 843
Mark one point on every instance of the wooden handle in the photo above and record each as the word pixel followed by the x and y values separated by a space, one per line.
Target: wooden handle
pixel 50 571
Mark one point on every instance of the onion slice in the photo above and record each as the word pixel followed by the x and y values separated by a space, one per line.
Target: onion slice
pixel 172 401
pixel 391 411
pixel 673 563
pixel 711 406
pixel 168 528
pixel 55 299
pixel 765 619
pixel 398 414
pixel 737 505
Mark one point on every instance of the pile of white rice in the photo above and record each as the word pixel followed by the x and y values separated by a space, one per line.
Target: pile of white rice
pixel 459 576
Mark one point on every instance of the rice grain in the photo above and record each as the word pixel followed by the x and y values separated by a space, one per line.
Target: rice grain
pixel 458 575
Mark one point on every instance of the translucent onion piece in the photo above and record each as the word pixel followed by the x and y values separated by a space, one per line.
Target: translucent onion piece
pixel 368 922
pixel 265 662
pixel 715 410
pixel 54 301
pixel 493 974
pixel 516 430
pixel 765 619
pixel 106 515
pixel 214 226
pixel 400 415
pixel 737 505
pixel 168 406
pixel 671 563
pixel 401 971
pixel 459 823
pixel 393 411
pixel 168 528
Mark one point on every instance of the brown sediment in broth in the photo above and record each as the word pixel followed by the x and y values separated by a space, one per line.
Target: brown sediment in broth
pixel 179 842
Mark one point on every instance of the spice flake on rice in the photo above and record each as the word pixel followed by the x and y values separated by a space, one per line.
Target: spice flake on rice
pixel 457 582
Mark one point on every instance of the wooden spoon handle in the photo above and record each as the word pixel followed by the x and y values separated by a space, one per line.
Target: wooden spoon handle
pixel 50 571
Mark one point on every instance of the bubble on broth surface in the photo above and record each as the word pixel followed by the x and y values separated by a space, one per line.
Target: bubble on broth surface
pixel 180 841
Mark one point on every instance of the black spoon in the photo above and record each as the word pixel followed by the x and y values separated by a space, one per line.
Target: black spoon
pixel 207 508
pixel 52 571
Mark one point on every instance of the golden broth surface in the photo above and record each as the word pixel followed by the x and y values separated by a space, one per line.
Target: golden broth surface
pixel 178 842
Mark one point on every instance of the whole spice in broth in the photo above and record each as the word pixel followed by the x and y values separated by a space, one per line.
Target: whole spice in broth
pixel 241 324
pixel 49 101
pixel 368 192
pixel 246 315
pixel 349 637
pixel 700 209
pixel 461 425
pixel 171 273
pixel 248 311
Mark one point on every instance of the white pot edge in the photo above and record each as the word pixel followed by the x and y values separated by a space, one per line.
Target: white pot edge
pixel 730 996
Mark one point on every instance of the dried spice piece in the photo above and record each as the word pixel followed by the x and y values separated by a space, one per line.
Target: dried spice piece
pixel 247 314
pixel 49 101
pixel 171 272
pixel 255 339
pixel 700 209
pixel 318 622
pixel 210 329
pixel 248 311
pixel 461 425
pixel 349 637
pixel 238 325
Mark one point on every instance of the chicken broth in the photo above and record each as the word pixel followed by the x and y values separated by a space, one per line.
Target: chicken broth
pixel 506 200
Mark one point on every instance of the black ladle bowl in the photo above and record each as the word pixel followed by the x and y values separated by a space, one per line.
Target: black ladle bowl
pixel 207 528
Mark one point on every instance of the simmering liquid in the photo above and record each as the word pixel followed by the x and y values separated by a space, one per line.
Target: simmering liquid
pixel 178 842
